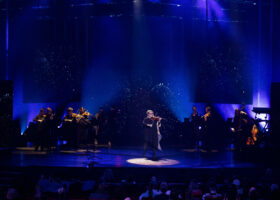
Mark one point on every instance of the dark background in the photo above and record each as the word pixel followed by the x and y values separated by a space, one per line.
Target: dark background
pixel 57 46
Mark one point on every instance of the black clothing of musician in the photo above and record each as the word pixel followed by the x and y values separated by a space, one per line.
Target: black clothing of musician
pixel 111 129
pixel 51 123
pixel 99 123
pixel 150 134
pixel 209 130
pixel 83 124
pixel 195 127
pixel 41 134
pixel 69 128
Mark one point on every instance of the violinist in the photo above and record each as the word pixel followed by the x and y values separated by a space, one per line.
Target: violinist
pixel 99 125
pixel 240 128
pixel 69 127
pixel 83 123
pixel 40 135
pixel 40 117
pixel 208 128
pixel 50 125
pixel 70 116
pixel 152 134
pixel 207 114
pixel 83 114
pixel 195 126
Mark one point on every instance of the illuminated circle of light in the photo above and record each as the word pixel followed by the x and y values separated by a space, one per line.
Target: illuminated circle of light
pixel 147 162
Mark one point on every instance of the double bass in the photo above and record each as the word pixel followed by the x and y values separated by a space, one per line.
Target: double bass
pixel 254 136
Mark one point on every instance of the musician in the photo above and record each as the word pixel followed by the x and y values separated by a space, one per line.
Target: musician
pixel 207 116
pixel 100 124
pixel 240 128
pixel 50 125
pixel 111 124
pixel 208 129
pixel 236 121
pixel 83 123
pixel 195 126
pixel 40 135
pixel 253 133
pixel 69 127
pixel 152 135
pixel 248 133
pixel 40 117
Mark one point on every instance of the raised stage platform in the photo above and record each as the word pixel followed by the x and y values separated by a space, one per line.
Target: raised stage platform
pixel 132 157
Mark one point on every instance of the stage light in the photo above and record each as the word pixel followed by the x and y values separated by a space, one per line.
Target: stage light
pixel 147 162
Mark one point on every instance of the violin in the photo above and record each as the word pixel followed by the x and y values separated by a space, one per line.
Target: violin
pixel 84 115
pixel 156 118
pixel 208 114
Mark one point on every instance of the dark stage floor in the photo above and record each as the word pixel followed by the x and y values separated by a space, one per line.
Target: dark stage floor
pixel 128 157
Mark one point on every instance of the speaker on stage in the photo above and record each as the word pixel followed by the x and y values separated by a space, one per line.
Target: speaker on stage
pixel 6 112
pixel 275 113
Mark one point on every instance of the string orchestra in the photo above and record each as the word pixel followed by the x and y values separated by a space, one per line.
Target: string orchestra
pixel 74 129
pixel 243 131
pixel 78 129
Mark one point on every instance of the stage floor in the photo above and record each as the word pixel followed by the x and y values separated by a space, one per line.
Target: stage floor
pixel 125 157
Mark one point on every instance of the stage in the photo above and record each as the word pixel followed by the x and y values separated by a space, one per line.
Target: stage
pixel 128 157
pixel 126 165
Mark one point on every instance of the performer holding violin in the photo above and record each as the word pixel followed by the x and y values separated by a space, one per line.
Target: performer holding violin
pixel 152 134
pixel 41 134
pixel 83 123
pixel 69 128
pixel 195 126
pixel 208 129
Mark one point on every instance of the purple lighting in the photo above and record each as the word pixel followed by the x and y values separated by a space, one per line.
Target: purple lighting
pixel 215 10
pixel 211 10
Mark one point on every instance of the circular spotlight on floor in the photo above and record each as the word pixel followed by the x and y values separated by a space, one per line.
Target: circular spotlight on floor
pixel 147 162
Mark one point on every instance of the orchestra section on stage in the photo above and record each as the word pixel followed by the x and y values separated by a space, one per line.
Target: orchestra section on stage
pixel 241 132
pixel 80 129
pixel 74 130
